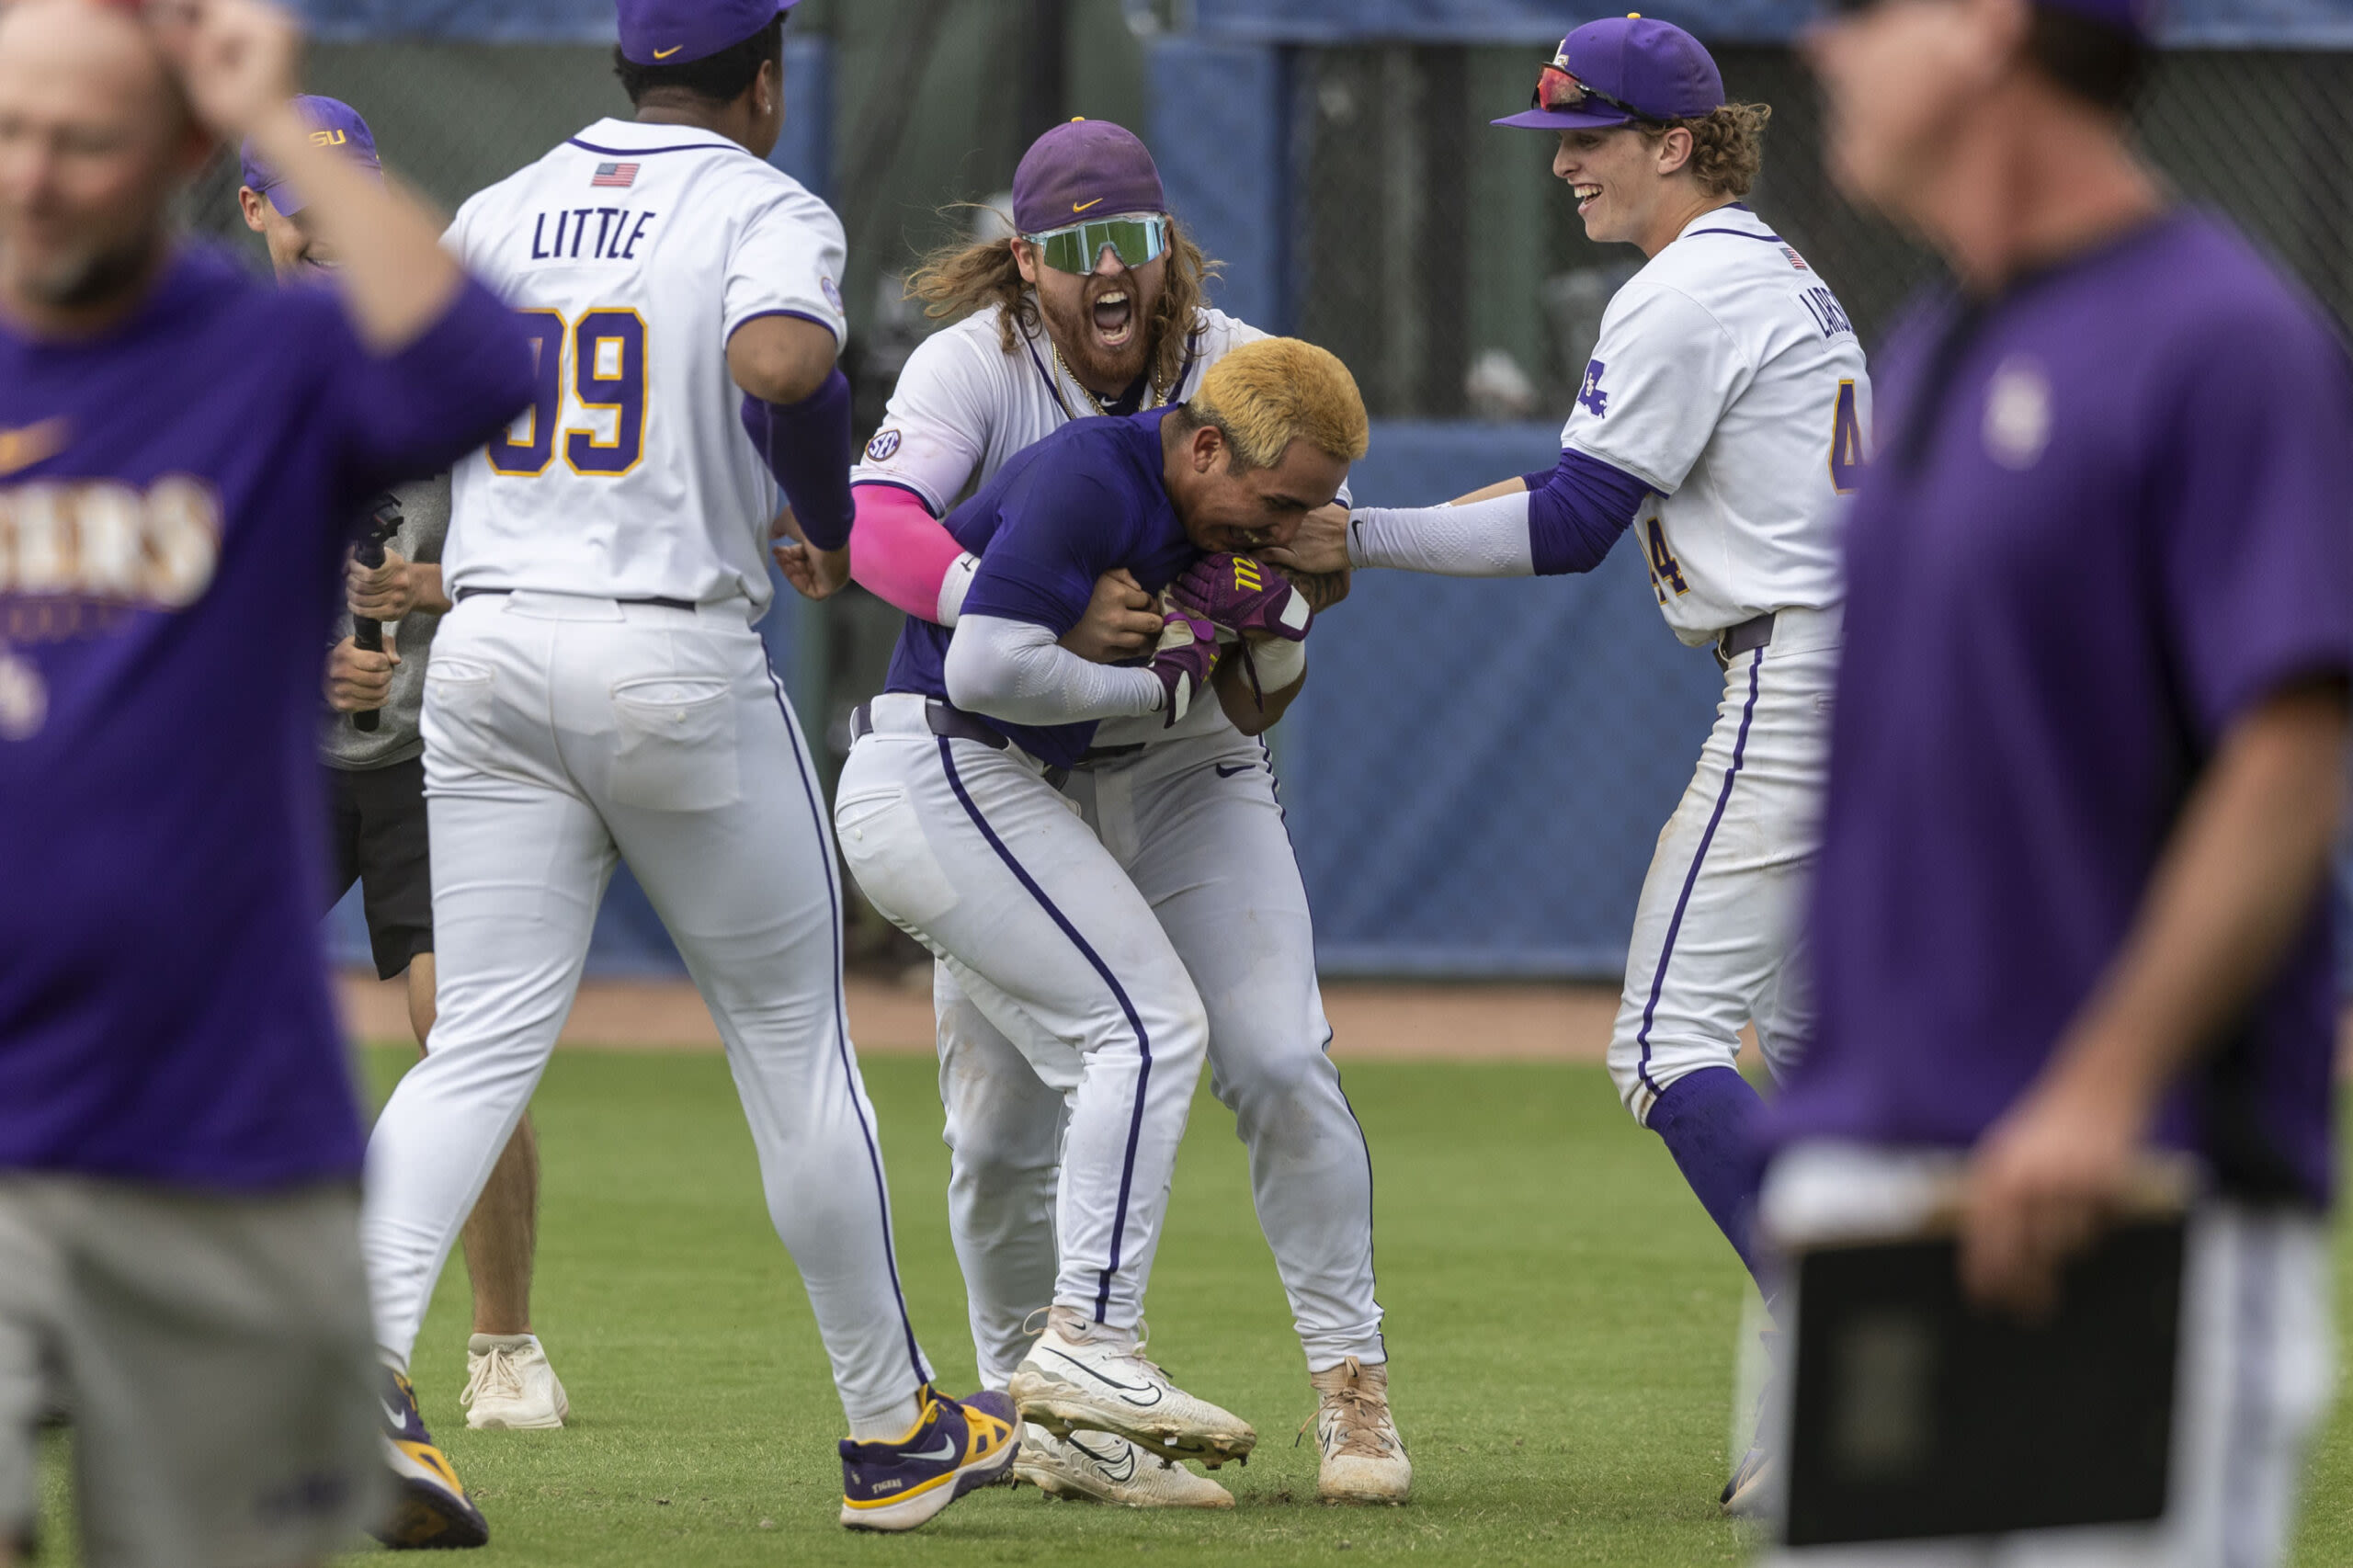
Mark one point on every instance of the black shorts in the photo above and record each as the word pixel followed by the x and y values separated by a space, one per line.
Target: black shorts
pixel 376 821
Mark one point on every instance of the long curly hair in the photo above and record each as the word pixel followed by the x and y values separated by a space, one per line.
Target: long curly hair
pixel 959 279
pixel 1727 146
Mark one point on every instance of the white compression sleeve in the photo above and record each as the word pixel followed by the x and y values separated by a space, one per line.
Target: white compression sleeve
pixel 1279 664
pixel 1485 539
pixel 1016 671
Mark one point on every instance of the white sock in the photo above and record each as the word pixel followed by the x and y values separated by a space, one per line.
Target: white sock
pixel 891 1425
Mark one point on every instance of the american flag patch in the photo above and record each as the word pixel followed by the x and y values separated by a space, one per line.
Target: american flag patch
pixel 1795 259
pixel 618 177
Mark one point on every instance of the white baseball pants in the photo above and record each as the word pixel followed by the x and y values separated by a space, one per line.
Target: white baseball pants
pixel 972 851
pixel 2256 1374
pixel 561 733
pixel 1195 824
pixel 1716 941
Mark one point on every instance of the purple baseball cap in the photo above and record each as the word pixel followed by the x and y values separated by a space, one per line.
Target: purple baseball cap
pixel 333 123
pixel 1086 168
pixel 1622 69
pixel 2136 18
pixel 674 32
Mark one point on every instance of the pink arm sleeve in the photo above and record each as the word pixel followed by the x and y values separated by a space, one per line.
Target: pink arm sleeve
pixel 898 551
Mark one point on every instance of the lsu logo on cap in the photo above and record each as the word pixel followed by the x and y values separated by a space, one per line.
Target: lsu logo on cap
pixel 883 447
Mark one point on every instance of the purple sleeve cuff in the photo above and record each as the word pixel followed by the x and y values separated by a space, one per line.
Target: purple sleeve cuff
pixel 1577 512
pixel 807 446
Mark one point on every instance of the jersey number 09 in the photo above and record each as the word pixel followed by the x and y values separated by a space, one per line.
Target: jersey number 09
pixel 602 356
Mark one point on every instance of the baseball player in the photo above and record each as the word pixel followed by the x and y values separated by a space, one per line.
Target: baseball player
pixel 1096 308
pixel 376 811
pixel 2073 900
pixel 1721 419
pixel 182 452
pixel 953 818
pixel 599 692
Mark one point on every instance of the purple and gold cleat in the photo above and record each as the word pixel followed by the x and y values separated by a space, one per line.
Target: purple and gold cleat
pixel 958 1445
pixel 433 1513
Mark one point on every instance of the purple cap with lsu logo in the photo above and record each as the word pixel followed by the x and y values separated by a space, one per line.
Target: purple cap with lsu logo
pixel 676 32
pixel 1620 70
pixel 333 123
pixel 1086 169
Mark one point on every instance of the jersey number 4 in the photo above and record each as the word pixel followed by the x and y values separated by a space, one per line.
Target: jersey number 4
pixel 1665 571
pixel 1845 442
pixel 601 359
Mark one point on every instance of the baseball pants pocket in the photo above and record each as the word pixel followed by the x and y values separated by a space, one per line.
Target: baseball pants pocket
pixel 457 723
pixel 675 745
pixel 883 843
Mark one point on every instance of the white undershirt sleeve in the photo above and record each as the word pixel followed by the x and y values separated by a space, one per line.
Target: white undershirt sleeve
pixel 1015 670
pixel 1483 538
pixel 955 586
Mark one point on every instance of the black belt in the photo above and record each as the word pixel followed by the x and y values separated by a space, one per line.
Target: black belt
pixel 465 594
pixel 950 722
pixel 1746 638
pixel 1094 754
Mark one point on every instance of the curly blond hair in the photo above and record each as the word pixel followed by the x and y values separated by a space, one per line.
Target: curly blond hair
pixel 1727 146
pixel 958 280
pixel 1274 391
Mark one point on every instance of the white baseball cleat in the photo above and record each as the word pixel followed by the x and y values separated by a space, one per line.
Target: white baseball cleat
pixel 1096 1467
pixel 1364 1459
pixel 1089 1377
pixel 510 1386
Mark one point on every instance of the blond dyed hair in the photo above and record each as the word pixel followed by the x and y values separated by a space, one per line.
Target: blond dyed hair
pixel 1274 391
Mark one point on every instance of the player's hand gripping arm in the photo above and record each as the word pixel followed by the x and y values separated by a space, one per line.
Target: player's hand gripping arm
pixel 1017 671
pixel 1538 525
pixel 240 61
pixel 2247 859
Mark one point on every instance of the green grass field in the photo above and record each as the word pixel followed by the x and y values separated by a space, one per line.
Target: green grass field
pixel 1562 1323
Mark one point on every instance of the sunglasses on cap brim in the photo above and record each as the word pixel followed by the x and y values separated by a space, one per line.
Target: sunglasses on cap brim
pixel 1557 90
pixel 1137 239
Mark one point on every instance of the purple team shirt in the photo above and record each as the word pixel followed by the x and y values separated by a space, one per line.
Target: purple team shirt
pixel 2124 518
pixel 1085 500
pixel 175 500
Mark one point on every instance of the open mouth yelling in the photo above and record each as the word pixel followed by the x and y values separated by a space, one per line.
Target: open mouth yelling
pixel 1113 314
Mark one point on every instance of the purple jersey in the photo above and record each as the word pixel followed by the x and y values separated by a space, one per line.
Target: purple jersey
pixel 2110 513
pixel 174 499
pixel 1085 500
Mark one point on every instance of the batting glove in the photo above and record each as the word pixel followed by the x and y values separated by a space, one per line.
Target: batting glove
pixel 1245 596
pixel 1186 656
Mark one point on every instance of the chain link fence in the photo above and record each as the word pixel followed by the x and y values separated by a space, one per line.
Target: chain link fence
pixel 1437 257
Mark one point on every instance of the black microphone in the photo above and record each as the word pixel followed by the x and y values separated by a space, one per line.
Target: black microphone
pixel 383 522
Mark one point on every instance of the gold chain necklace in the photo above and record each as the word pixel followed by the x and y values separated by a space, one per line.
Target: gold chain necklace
pixel 1151 395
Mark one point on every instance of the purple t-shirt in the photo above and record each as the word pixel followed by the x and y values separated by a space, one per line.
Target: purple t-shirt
pixel 1085 500
pixel 2110 513
pixel 175 500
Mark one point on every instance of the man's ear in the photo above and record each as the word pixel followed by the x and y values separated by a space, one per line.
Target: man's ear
pixel 1025 259
pixel 1675 150
pixel 249 202
pixel 1208 446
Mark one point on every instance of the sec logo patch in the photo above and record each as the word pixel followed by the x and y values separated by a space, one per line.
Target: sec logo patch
pixel 833 291
pixel 880 449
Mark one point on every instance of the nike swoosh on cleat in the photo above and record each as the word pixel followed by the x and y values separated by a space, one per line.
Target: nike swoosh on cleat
pixel 398 1418
pixel 947 1450
pixel 1225 772
pixel 666 53
pixel 1124 1389
pixel 1083 206
pixel 1124 1471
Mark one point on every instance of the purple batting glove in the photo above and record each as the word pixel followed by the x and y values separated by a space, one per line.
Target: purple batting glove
pixel 1186 656
pixel 1244 596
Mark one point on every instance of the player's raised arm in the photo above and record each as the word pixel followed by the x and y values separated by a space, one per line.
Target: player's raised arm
pixel 1539 525
pixel 238 61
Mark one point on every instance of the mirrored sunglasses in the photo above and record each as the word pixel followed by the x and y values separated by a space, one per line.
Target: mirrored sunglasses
pixel 1078 247
pixel 1556 89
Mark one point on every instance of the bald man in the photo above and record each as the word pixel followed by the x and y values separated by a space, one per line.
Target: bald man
pixel 181 449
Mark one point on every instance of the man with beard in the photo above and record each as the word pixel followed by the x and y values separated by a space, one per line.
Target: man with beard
pixel 182 450
pixel 1095 308
pixel 376 812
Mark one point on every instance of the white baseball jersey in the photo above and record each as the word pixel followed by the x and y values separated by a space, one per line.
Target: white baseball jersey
pixel 634 252
pixel 1728 378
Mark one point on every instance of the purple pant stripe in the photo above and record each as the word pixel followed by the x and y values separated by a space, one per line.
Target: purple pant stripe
pixel 1143 1042
pixel 1691 878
